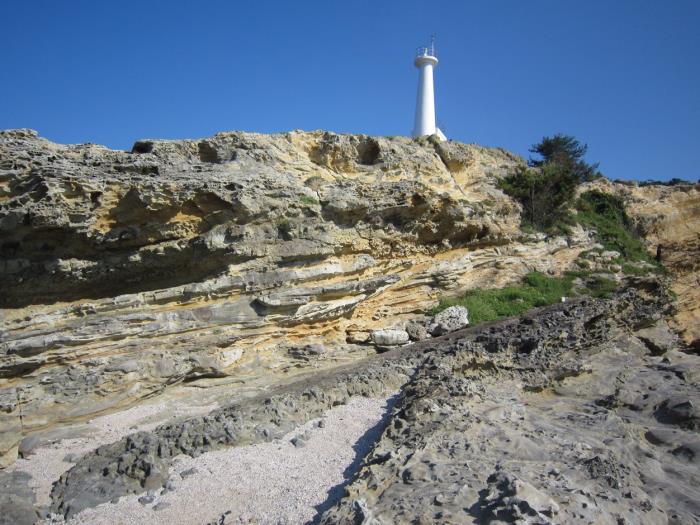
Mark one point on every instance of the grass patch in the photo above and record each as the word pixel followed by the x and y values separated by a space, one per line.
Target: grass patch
pixel 536 289
pixel 630 269
pixel 600 287
pixel 306 199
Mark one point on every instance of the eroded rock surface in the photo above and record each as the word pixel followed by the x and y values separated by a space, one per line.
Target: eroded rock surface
pixel 559 416
pixel 201 262
pixel 140 462
pixel 556 417
pixel 275 276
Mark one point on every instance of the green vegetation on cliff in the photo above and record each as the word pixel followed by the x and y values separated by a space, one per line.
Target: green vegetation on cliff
pixel 536 289
pixel 606 214
pixel 547 186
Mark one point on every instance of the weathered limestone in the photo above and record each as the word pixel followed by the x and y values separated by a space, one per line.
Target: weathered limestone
pixel 123 274
pixel 668 217
pixel 507 421
pixel 389 337
pixel 449 320
pixel 180 261
pixel 266 272
pixel 512 423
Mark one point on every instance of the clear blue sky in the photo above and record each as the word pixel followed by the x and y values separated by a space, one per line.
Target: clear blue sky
pixel 620 75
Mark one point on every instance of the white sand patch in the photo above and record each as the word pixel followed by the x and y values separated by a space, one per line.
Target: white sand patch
pixel 47 463
pixel 267 483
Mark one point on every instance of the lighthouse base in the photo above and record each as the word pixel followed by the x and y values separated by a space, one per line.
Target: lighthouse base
pixel 438 133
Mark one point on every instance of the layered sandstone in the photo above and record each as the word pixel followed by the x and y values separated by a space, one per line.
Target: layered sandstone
pixel 215 260
pixel 253 280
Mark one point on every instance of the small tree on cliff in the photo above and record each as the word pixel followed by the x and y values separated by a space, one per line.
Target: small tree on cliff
pixel 567 153
pixel 546 187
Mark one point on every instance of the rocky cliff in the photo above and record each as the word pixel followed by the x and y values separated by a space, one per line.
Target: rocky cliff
pixel 124 273
pixel 668 217
pixel 241 263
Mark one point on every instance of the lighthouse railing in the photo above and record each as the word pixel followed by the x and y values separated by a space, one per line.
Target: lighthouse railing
pixel 425 51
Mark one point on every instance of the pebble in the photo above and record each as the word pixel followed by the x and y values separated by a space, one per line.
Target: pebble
pixel 145 500
pixel 188 472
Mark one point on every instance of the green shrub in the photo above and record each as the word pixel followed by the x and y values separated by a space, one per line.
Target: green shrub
pixel 565 152
pixel 284 226
pixel 545 194
pixel 673 182
pixel 606 214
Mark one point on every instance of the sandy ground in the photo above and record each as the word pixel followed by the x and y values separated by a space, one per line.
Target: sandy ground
pixel 268 483
pixel 48 462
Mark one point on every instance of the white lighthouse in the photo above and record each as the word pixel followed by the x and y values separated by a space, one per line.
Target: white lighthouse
pixel 425 61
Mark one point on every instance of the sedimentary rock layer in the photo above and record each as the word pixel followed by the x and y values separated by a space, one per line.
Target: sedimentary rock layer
pixel 561 416
pixel 566 414
pixel 123 273
pixel 669 219
pixel 269 270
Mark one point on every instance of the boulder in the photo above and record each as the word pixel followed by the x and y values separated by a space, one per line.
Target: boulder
pixel 28 445
pixel 389 337
pixel 658 338
pixel 449 320
pixel 679 410
pixel 417 331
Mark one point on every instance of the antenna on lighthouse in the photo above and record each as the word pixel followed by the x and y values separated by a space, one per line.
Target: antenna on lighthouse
pixel 425 61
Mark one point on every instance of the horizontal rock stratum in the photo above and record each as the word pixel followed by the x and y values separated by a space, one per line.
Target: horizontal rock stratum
pixel 127 272
pixel 243 264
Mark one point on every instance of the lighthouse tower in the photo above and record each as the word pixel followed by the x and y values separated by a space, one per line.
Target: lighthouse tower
pixel 425 61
